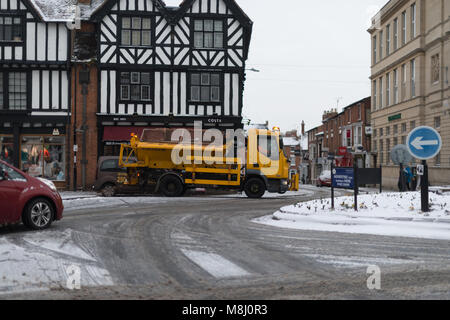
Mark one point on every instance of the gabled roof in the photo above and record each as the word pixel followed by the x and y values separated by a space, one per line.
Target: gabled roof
pixel 108 4
pixel 245 21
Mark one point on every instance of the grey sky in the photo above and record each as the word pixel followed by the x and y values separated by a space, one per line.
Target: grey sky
pixel 310 53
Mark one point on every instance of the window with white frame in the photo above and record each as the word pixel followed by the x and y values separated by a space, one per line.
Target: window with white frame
pixel 388 90
pixel 374 49
pixel 403 27
pixel 403 82
pixel 413 78
pixel 135 86
pixel 375 93
pixel 205 87
pixel 358 136
pixel 388 39
pixel 413 21
pixel 136 32
pixel 381 45
pixel 395 86
pixel 395 34
pixel 381 93
pixel 208 34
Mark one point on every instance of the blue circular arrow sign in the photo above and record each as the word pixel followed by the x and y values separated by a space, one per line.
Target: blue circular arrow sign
pixel 424 143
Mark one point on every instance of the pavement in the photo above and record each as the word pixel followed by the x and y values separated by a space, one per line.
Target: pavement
pixel 204 248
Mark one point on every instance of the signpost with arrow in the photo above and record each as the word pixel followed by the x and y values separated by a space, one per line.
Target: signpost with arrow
pixel 424 143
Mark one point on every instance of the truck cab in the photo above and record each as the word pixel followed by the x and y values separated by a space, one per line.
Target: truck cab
pixel 266 162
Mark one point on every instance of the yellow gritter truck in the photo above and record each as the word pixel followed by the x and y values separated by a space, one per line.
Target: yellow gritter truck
pixel 173 167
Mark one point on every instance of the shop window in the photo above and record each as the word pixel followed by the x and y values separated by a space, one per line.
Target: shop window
pixel 44 157
pixel 7 149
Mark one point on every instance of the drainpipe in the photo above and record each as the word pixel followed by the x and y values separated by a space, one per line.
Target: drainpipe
pixel 84 81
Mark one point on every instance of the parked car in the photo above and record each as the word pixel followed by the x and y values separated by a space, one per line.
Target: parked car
pixel 33 201
pixel 324 179
pixel 106 179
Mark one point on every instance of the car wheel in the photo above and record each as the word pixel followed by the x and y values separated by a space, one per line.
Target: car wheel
pixel 108 190
pixel 38 214
pixel 171 186
pixel 254 188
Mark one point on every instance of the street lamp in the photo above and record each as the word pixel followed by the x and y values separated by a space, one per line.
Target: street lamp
pixel 253 70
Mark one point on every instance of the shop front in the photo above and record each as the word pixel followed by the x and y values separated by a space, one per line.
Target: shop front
pixel 44 156
pixel 7 148
pixel 37 147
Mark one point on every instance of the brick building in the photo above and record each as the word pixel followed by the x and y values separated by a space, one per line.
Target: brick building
pixel 344 137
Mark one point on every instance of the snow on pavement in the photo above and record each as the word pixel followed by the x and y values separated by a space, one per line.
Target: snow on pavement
pixel 389 214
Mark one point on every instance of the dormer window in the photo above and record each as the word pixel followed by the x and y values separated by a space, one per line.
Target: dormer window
pixel 136 32
pixel 208 34
pixel 11 29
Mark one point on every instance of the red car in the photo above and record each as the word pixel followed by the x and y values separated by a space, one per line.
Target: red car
pixel 34 201
pixel 324 179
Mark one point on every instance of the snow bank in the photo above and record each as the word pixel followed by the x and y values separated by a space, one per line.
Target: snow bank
pixel 390 214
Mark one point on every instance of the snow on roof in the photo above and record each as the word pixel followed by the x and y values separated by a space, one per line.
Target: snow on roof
pixel 291 141
pixel 64 10
pixel 55 10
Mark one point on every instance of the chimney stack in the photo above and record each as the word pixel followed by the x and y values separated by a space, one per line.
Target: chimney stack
pixel 303 128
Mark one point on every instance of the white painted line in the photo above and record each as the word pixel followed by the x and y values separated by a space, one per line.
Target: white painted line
pixel 216 265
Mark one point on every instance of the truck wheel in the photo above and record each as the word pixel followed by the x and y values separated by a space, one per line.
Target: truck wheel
pixel 254 188
pixel 171 186
pixel 108 190
pixel 38 214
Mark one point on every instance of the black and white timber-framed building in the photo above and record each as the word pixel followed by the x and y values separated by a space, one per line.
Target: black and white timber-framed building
pixel 34 89
pixel 165 66
pixel 156 66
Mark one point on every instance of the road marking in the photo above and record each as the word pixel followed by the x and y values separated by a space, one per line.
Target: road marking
pixel 216 265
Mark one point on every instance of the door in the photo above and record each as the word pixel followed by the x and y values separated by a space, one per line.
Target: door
pixel 11 185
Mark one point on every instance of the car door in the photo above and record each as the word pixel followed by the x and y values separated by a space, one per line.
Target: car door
pixel 10 192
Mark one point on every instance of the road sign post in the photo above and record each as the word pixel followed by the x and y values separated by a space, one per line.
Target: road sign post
pixel 424 189
pixel 355 184
pixel 332 185
pixel 424 143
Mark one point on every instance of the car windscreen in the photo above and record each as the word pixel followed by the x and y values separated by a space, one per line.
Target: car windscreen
pixel 11 173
